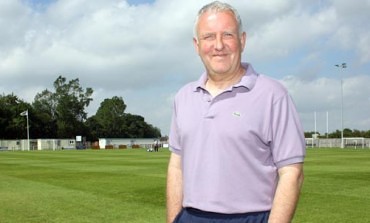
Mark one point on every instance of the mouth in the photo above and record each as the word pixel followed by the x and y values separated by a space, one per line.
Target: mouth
pixel 219 55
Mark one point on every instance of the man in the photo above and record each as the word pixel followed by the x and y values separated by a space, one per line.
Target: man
pixel 236 140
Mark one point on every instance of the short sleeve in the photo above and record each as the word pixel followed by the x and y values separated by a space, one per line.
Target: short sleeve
pixel 174 137
pixel 288 144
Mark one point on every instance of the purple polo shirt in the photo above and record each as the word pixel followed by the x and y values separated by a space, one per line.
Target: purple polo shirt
pixel 232 145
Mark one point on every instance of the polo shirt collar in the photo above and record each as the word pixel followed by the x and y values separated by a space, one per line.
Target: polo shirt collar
pixel 248 80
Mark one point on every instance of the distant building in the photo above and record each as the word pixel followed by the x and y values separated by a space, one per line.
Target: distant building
pixel 38 144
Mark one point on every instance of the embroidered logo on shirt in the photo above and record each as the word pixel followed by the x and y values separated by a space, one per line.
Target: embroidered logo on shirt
pixel 237 114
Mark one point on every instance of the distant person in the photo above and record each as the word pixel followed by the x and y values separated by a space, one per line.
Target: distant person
pixel 156 146
pixel 236 140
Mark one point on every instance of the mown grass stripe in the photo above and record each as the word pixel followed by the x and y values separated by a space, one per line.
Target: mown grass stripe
pixel 129 186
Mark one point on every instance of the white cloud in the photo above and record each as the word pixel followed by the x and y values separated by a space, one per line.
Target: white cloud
pixel 324 95
pixel 363 47
pixel 144 52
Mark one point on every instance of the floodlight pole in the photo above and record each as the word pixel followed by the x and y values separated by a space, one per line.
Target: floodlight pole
pixel 315 122
pixel 327 124
pixel 343 66
pixel 28 133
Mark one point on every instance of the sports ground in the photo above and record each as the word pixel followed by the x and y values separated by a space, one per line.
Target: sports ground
pixel 129 186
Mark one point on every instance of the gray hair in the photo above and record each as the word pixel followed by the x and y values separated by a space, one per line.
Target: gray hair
pixel 215 7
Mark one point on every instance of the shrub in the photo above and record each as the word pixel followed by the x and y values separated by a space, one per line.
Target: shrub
pixel 109 147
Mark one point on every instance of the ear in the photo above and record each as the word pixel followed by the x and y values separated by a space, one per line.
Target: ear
pixel 196 44
pixel 243 40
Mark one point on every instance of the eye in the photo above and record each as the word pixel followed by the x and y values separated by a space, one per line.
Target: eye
pixel 228 35
pixel 209 37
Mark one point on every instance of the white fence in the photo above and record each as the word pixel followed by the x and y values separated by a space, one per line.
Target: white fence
pixel 357 143
pixel 128 142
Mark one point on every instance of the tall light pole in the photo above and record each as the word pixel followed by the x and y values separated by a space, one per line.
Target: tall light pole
pixel 327 124
pixel 343 66
pixel 25 113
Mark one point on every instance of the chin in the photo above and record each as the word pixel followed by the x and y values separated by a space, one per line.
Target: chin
pixel 220 70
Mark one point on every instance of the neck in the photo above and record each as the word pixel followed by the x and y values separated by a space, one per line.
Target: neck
pixel 217 83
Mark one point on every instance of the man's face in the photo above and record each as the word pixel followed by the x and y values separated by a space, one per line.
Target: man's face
pixel 219 44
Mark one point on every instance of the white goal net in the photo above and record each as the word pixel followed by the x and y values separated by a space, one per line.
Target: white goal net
pixel 356 142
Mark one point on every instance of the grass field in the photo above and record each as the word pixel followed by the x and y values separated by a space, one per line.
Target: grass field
pixel 336 187
pixel 129 186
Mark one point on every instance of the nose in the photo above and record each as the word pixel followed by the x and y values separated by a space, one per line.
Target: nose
pixel 219 45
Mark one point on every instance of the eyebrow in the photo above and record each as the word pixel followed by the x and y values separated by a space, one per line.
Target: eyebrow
pixel 214 33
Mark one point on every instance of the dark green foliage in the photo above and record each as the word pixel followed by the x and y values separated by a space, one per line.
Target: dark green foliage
pixel 61 114
pixel 12 124
pixel 337 134
pixel 109 117
pixel 111 121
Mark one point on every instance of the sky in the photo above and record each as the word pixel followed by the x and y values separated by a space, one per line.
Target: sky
pixel 142 51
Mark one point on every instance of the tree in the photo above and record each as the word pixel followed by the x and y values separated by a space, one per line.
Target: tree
pixel 111 121
pixel 358 133
pixel 71 101
pixel 110 117
pixel 347 132
pixel 94 129
pixel 61 114
pixel 44 106
pixel 310 134
pixel 12 124
pixel 136 127
pixel 367 134
pixel 336 134
pixel 64 108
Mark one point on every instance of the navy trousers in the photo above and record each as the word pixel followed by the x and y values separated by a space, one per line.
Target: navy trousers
pixel 191 215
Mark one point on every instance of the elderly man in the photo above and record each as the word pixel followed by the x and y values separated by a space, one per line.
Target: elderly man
pixel 236 140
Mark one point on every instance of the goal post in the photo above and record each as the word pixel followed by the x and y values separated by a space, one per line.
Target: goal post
pixel 310 142
pixel 354 142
